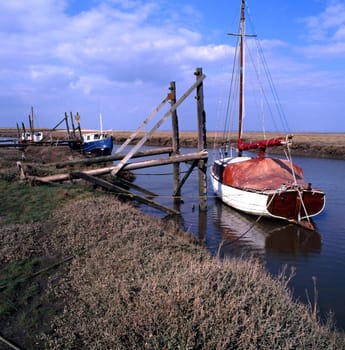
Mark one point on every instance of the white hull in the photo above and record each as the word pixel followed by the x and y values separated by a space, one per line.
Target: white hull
pixel 248 202
pixel 292 203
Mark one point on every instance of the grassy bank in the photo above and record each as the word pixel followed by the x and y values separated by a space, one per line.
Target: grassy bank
pixel 102 275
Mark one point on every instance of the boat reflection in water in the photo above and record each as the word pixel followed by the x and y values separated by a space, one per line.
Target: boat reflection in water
pixel 243 234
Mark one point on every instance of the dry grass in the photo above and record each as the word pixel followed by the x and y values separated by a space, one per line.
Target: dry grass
pixel 138 284
pixel 135 282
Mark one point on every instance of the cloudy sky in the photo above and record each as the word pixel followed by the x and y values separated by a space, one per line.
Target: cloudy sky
pixel 118 57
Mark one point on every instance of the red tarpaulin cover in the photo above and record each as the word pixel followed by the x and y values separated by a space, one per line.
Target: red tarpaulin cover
pixel 262 174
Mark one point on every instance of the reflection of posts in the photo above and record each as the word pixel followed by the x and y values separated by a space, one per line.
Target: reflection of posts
pixel 202 226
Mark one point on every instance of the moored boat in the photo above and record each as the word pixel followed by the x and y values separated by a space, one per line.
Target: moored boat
pixel 97 143
pixel 262 185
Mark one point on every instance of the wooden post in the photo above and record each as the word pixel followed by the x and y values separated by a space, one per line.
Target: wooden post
pixel 119 166
pixel 73 128
pixel 175 143
pixel 202 220
pixel 67 126
pixel 24 131
pixel 202 145
pixel 18 132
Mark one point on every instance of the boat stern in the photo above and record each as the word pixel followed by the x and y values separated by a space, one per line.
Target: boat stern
pixel 296 204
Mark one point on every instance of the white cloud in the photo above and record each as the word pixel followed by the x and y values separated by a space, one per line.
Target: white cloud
pixel 328 25
pixel 125 53
pixel 326 33
pixel 113 49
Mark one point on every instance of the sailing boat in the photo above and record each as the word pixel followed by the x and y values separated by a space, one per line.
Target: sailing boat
pixel 263 186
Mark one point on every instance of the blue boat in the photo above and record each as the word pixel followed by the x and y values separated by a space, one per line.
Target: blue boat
pixel 97 144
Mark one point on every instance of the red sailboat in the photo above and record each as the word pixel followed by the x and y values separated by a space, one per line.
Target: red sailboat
pixel 264 186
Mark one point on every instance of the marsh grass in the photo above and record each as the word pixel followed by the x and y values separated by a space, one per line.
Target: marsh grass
pixel 20 203
pixel 137 283
pixel 140 283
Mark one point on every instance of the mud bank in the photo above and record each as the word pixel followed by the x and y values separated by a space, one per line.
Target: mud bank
pixel 320 145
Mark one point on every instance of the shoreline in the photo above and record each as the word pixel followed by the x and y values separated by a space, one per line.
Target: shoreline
pixel 146 272
pixel 317 145
pixel 87 255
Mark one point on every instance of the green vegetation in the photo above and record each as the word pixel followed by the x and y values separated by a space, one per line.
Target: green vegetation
pixel 21 203
pixel 13 278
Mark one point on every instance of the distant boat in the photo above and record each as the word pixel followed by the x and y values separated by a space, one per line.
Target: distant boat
pixel 28 137
pixel 97 143
pixel 261 185
pixel 32 136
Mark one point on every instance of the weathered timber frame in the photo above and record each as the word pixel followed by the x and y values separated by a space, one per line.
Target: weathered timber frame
pixel 196 159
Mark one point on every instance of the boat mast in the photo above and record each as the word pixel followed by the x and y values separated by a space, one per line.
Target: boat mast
pixel 101 123
pixel 240 116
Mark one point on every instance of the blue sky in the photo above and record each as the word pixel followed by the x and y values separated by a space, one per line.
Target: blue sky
pixel 118 57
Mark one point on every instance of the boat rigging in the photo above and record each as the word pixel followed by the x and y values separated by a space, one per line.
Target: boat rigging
pixel 262 185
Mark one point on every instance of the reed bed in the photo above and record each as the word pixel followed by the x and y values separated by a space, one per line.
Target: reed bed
pixel 139 283
pixel 124 280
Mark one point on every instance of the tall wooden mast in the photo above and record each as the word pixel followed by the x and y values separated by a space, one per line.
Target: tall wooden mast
pixel 241 97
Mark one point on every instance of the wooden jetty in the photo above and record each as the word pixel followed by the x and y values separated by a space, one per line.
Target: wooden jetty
pixel 121 160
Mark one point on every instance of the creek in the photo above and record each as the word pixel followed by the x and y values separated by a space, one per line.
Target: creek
pixel 317 258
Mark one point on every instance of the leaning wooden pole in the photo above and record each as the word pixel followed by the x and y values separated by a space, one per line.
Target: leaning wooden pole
pixel 123 192
pixel 143 124
pixel 121 164
pixel 182 158
pixel 202 145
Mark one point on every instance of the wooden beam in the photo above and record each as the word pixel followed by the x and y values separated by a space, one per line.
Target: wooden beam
pixel 138 188
pixel 123 192
pixel 132 166
pixel 152 114
pixel 181 158
pixel 113 157
pixel 160 122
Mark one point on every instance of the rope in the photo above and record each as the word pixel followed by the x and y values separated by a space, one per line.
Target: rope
pixel 288 155
pixel 239 237
pixel 304 208
pixel 243 234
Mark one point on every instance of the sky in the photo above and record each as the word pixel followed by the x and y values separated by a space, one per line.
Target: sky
pixel 118 57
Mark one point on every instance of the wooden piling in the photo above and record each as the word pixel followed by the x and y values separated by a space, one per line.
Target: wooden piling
pixel 175 142
pixel 202 145
pixel 197 159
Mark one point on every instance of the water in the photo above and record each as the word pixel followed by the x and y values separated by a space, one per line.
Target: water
pixel 317 257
